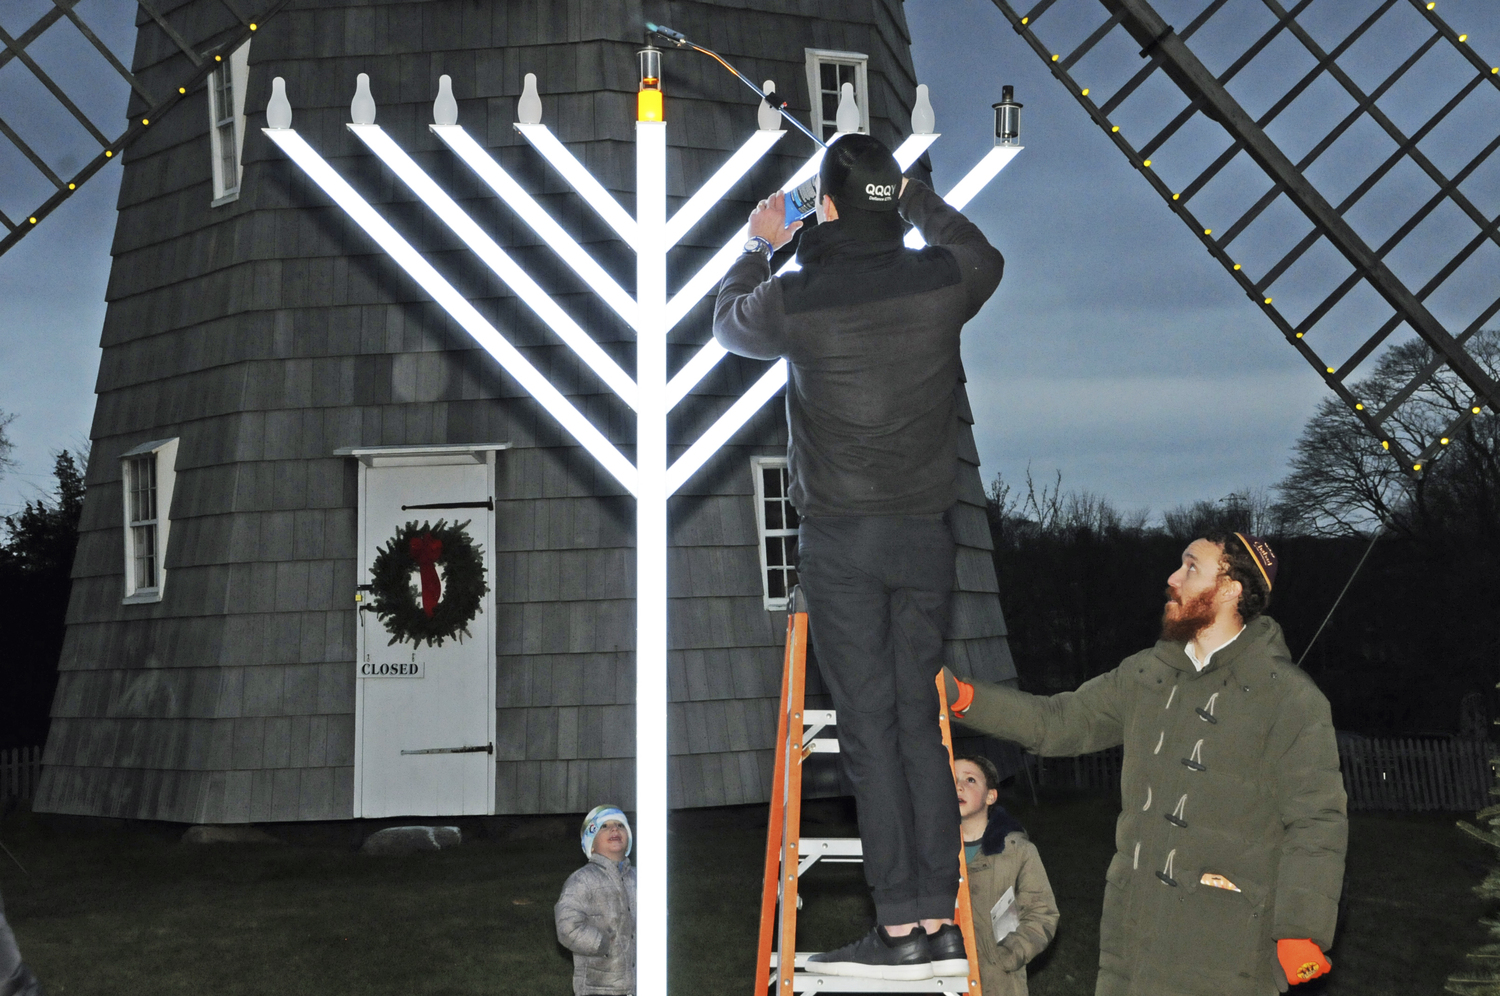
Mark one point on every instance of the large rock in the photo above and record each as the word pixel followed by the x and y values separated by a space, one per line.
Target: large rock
pixel 408 840
pixel 202 834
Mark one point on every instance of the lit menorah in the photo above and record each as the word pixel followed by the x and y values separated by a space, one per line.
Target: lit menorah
pixel 651 313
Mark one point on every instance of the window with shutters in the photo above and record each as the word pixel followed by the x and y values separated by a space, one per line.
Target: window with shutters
pixel 148 473
pixel 226 119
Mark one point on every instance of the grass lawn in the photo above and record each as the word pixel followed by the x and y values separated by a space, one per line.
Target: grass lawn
pixel 123 910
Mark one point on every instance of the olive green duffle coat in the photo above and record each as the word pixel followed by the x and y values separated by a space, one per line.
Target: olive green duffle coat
pixel 1230 772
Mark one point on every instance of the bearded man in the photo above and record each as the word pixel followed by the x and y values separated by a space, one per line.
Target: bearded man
pixel 1229 851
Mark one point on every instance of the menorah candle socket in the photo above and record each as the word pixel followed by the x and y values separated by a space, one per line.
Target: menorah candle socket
pixel 1007 118
pixel 923 121
pixel 846 119
pixel 648 101
pixel 362 107
pixel 768 115
pixel 445 108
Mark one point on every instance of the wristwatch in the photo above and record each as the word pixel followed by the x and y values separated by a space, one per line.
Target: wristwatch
pixel 760 245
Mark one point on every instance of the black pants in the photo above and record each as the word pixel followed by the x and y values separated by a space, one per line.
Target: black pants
pixel 878 590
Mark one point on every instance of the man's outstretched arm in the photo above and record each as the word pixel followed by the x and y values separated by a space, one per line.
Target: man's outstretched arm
pixel 1064 725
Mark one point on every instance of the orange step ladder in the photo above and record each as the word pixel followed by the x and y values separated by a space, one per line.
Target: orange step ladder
pixel 789 855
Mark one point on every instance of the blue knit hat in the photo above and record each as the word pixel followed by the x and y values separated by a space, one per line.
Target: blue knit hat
pixel 594 822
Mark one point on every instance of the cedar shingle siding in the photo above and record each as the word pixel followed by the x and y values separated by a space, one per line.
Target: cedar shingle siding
pixel 267 333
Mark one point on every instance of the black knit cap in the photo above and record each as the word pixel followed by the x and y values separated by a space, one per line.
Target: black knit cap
pixel 860 174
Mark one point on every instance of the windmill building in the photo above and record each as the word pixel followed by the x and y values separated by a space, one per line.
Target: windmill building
pixel 277 402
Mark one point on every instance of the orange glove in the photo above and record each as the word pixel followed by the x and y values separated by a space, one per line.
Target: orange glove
pixel 1301 960
pixel 960 693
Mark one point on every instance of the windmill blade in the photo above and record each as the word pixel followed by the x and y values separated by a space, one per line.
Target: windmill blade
pixel 1350 212
pixel 64 117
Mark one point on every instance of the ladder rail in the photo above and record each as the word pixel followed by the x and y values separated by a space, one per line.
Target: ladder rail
pixel 788 856
pixel 774 826
pixel 965 907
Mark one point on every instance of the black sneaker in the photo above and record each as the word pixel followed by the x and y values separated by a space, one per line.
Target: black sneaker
pixel 878 955
pixel 948 954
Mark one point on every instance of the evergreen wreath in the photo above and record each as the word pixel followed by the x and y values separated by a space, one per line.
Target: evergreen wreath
pixel 420 615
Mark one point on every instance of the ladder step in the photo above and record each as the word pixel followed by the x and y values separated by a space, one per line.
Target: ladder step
pixel 808 982
pixel 831 848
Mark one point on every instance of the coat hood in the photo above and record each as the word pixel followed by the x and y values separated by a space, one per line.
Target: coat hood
pixel 1001 824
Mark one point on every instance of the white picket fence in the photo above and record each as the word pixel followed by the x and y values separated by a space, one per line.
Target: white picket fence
pixel 20 770
pixel 1409 774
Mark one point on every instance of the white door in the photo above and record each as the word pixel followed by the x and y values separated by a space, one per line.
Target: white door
pixel 425 712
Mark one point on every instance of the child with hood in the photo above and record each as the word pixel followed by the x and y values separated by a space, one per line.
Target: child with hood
pixel 596 912
pixel 1015 914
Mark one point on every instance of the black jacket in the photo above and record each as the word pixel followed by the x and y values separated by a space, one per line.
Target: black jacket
pixel 871 333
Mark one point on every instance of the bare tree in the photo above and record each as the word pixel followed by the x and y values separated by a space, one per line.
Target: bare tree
pixel 1250 509
pixel 6 446
pixel 1342 482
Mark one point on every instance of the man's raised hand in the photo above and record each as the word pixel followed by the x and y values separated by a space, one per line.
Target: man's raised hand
pixel 768 221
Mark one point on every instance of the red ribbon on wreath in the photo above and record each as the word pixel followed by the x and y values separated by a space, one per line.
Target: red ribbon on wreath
pixel 425 550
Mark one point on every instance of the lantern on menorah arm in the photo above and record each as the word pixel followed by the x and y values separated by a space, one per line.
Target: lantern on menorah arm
pixel 648 102
pixel 1008 118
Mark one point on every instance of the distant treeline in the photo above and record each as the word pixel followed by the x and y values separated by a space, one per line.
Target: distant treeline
pixel 36 560
pixel 1414 646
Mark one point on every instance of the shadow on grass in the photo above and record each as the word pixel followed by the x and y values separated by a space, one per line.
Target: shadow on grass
pixel 126 909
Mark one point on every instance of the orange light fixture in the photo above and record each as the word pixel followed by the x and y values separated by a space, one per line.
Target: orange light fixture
pixel 648 102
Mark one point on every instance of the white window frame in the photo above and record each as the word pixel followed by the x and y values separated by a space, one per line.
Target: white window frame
pixel 162 455
pixel 816 59
pixel 758 466
pixel 227 124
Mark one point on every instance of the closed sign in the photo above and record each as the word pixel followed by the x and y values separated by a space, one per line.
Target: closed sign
pixel 392 669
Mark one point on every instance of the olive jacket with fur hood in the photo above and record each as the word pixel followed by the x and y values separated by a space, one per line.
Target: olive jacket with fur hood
pixel 1234 824
pixel 1009 860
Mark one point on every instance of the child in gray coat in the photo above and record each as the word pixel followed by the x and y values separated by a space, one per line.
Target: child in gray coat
pixel 596 912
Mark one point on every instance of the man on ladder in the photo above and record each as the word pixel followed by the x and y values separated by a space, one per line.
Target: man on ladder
pixel 871 330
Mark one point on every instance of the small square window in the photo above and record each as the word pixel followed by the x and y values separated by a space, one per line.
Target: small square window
pixel 776 521
pixel 827 72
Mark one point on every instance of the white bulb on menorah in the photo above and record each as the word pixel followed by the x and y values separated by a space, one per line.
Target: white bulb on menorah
pixel 651 312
